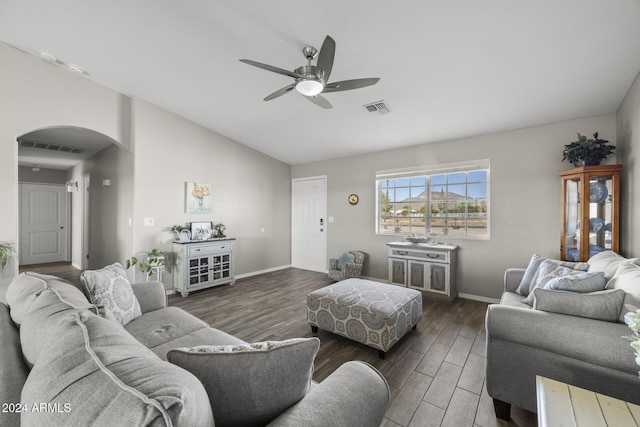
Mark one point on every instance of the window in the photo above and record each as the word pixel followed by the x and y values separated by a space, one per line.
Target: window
pixel 450 200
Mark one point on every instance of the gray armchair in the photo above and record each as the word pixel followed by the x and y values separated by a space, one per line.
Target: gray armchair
pixel 349 269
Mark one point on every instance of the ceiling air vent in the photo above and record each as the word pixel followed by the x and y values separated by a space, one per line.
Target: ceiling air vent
pixel 378 106
pixel 51 147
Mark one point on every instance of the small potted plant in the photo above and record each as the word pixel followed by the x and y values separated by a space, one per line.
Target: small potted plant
pixel 155 258
pixel 184 234
pixel 586 151
pixel 219 228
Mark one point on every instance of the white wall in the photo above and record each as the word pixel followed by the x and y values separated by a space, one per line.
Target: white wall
pixel 628 151
pixel 251 191
pixel 525 198
pixel 35 95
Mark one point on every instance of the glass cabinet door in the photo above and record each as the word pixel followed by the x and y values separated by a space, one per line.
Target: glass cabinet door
pixel 572 220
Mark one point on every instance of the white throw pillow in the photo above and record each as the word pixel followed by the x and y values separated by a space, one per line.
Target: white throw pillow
pixel 627 278
pixel 608 262
pixel 110 288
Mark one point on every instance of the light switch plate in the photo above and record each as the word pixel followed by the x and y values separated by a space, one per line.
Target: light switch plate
pixel 149 222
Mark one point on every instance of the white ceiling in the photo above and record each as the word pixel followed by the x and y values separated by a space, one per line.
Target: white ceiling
pixel 447 68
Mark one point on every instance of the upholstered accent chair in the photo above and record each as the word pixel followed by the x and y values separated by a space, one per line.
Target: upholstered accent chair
pixel 348 266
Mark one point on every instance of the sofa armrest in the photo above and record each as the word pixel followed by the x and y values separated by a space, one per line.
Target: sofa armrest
pixel 356 394
pixel 512 278
pixel 151 295
pixel 333 264
pixel 352 269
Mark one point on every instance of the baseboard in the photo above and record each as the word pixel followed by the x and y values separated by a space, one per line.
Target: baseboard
pixel 255 273
pixel 479 298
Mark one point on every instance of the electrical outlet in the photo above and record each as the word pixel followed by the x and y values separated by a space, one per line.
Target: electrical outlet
pixel 149 222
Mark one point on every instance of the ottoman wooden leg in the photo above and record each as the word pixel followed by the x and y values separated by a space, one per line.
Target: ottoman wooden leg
pixel 415 327
pixel 502 409
pixel 314 329
pixel 382 354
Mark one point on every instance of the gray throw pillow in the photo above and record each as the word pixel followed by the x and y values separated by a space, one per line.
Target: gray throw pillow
pixel 602 305
pixel 569 280
pixel 530 278
pixel 110 288
pixel 251 384
pixel 627 278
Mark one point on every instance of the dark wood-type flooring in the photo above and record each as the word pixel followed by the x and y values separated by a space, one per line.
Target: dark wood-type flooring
pixel 436 372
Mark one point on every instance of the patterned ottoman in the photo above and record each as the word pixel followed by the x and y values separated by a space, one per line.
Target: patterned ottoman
pixel 372 313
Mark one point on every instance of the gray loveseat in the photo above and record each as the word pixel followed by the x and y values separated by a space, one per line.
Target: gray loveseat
pixel 63 364
pixel 523 342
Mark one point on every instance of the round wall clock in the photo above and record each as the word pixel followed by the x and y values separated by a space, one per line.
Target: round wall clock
pixel 353 199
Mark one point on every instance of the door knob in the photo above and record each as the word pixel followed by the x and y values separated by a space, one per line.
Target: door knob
pixel 322 229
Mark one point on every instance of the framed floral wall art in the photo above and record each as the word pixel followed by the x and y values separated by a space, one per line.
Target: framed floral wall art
pixel 197 198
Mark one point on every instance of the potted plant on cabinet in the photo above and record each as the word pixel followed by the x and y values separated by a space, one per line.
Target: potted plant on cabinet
pixel 219 228
pixel 184 234
pixel 586 151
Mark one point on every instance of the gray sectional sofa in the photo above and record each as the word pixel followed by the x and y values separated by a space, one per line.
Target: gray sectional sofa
pixel 62 362
pixel 564 339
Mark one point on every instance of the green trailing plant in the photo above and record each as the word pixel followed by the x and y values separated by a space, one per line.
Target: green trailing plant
pixel 6 251
pixel 587 151
pixel 155 258
pixel 178 228
pixel 220 227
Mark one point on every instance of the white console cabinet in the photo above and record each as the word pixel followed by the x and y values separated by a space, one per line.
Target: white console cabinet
pixel 203 264
pixel 426 267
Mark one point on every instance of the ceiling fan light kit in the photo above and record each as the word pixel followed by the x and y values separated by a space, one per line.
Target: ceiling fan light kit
pixel 312 80
pixel 309 87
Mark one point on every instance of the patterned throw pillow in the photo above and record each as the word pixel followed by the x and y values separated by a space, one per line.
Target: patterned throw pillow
pixel 251 384
pixel 530 278
pixel 572 281
pixel 110 288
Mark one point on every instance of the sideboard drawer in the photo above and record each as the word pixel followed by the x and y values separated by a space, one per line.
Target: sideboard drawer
pixel 209 249
pixel 433 256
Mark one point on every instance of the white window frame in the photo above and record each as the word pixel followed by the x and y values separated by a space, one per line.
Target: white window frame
pixel 428 171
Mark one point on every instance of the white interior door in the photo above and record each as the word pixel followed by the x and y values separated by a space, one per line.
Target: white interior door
pixel 43 223
pixel 309 223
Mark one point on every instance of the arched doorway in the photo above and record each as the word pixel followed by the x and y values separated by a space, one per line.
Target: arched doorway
pixel 54 199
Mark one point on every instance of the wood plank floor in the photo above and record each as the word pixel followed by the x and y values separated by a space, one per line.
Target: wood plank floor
pixel 436 372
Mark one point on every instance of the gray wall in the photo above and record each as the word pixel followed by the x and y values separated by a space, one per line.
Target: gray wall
pixel 524 198
pixel 628 135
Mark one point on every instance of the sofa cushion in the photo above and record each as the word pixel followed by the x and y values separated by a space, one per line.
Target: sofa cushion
pixel 608 262
pixel 110 288
pixel 530 278
pixel 95 373
pixel 602 305
pixel 345 257
pixel 164 325
pixel 13 371
pixel 582 282
pixel 627 278
pixel 249 385
pixel 25 288
pixel 206 335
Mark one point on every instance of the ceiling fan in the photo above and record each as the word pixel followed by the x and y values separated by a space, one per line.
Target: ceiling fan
pixel 312 80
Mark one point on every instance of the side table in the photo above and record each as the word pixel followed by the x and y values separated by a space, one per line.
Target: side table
pixel 561 404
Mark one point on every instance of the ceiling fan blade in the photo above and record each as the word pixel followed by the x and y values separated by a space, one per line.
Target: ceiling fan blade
pixel 320 101
pixel 325 58
pixel 349 84
pixel 273 69
pixel 280 92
